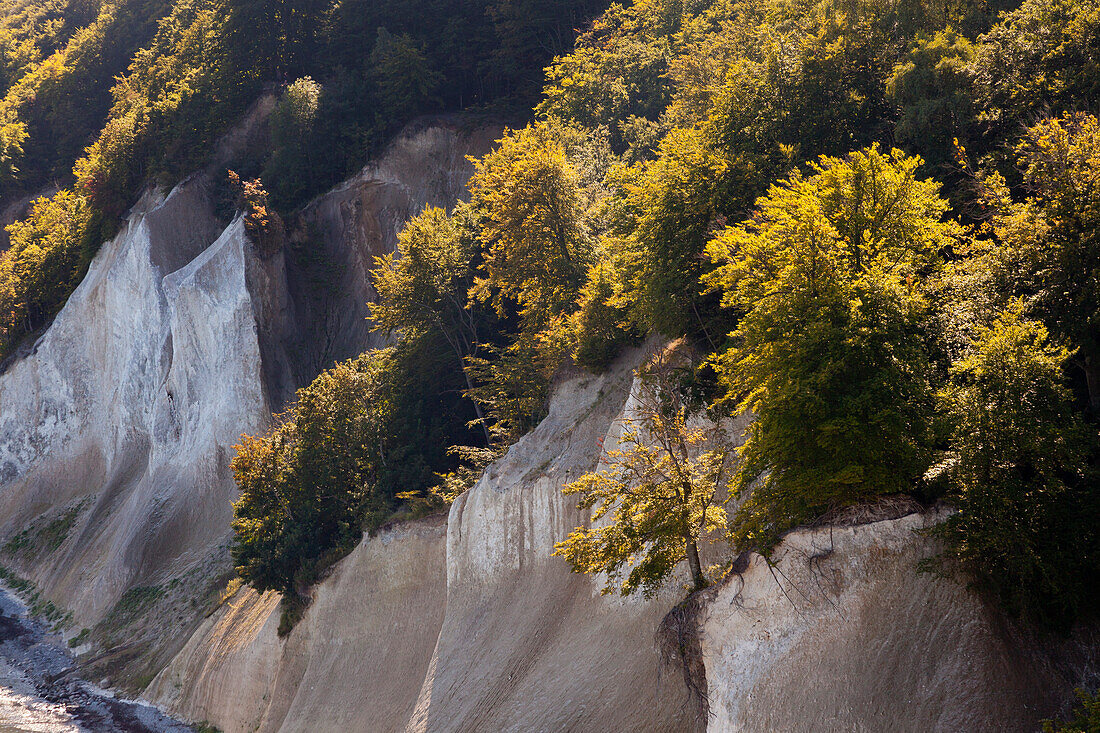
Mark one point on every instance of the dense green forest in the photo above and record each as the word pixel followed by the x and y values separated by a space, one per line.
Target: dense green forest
pixel 870 223
pixel 100 99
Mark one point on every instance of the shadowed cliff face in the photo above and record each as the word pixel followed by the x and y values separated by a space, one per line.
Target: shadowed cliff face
pixel 117 427
pixel 336 238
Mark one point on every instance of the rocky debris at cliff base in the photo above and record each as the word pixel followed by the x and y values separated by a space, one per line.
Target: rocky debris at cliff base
pixel 39 694
pixel 21 709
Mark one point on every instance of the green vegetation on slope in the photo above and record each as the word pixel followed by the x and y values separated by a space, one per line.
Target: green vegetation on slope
pixel 159 83
pixel 360 434
pixel 830 352
pixel 1086 718
pixel 848 305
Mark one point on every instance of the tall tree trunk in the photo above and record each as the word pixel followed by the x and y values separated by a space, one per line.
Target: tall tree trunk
pixel 697 576
pixel 477 409
pixel 1092 377
pixel 461 353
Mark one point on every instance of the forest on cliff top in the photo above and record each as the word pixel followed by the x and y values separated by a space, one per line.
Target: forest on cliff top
pixel 870 223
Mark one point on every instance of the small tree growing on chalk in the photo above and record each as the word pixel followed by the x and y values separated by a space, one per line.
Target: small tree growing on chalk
pixel 661 491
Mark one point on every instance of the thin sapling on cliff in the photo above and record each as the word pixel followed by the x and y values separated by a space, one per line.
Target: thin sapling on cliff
pixel 662 490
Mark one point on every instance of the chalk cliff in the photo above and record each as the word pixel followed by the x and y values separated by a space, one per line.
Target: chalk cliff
pixel 470 624
pixel 117 424
pixel 467 624
pixel 842 634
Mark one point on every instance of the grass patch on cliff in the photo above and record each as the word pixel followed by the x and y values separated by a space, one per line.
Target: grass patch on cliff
pixel 132 604
pixel 39 606
pixel 231 589
pixel 45 534
pixel 290 613
pixel 150 622
pixel 79 638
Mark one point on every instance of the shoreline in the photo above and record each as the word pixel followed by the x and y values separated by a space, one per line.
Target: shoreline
pixel 40 691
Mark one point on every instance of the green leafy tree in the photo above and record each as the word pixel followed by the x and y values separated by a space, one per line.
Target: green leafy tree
pixel 307 486
pixel 837 103
pixel 531 213
pixel 292 167
pixel 658 496
pixel 810 80
pixel 62 97
pixel 512 383
pixel 405 82
pixel 1050 246
pixel 1025 527
pixel 616 70
pixel 530 210
pixel 602 323
pixel 424 285
pixel 46 259
pixel 13 133
pixel 829 352
pixel 177 96
pixel 1086 718
pixel 532 32
pixel 361 434
pixel 666 212
pixel 1043 55
pixel 934 93
pixel 273 39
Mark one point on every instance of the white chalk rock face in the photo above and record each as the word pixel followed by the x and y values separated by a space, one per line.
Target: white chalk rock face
pixel 355 662
pixel 130 402
pixel 843 634
pixel 524 639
